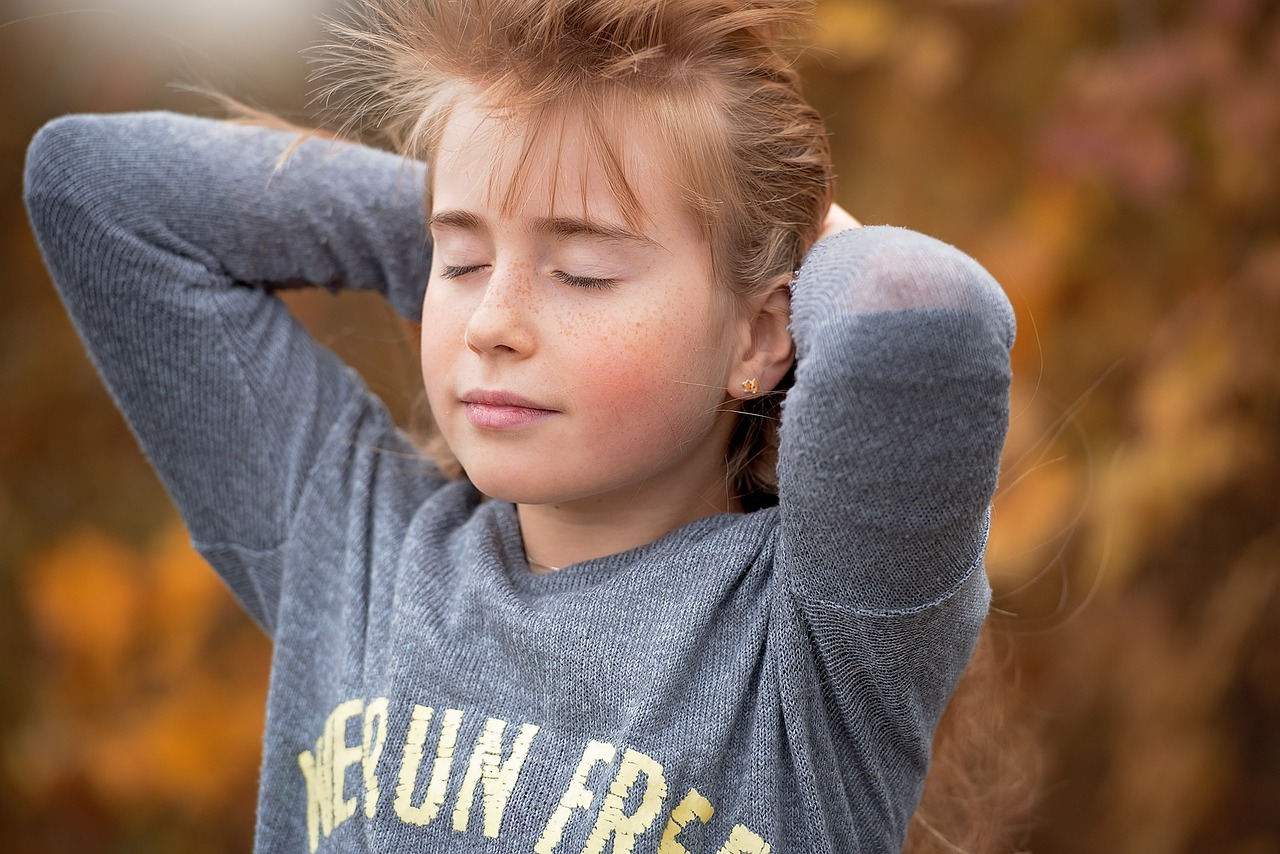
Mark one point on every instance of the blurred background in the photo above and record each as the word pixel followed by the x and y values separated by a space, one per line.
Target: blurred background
pixel 1115 163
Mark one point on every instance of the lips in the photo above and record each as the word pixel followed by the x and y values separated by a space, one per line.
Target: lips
pixel 501 410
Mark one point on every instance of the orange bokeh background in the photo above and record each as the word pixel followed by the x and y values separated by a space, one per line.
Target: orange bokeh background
pixel 1115 163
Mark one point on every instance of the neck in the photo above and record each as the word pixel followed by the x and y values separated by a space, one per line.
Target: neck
pixel 557 535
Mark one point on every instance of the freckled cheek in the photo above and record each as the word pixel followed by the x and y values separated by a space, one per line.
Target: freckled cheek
pixel 627 382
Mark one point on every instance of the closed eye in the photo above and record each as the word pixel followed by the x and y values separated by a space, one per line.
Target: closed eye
pixel 451 272
pixel 584 281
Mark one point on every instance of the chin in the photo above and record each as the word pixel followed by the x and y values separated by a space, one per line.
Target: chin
pixel 505 488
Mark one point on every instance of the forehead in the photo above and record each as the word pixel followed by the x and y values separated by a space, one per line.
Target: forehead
pixel 551 163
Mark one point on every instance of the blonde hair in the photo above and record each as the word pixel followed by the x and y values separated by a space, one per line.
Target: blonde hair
pixel 713 79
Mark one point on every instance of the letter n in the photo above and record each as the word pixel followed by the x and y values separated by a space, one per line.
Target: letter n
pixel 498 778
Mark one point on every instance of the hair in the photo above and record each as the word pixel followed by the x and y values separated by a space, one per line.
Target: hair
pixel 713 79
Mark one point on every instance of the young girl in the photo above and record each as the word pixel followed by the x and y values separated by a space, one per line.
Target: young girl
pixel 630 625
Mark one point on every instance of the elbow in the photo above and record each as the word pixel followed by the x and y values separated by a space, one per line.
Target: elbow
pixel 878 270
pixel 82 160
pixel 53 156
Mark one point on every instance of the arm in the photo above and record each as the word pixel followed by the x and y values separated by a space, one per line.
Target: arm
pixel 166 236
pixel 893 432
pixel 891 442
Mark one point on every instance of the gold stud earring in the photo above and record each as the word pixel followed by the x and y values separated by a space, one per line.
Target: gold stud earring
pixel 751 386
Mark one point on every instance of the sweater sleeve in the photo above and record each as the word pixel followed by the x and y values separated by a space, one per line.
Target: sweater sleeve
pixel 891 442
pixel 166 237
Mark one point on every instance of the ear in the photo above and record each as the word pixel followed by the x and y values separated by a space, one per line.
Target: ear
pixel 766 351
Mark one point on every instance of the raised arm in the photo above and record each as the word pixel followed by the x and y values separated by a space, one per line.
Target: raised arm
pixel 166 236
pixel 893 432
pixel 891 442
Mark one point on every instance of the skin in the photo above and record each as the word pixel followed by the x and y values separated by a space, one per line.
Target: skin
pixel 585 370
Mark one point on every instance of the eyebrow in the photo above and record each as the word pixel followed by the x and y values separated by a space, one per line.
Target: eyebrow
pixel 463 220
pixel 570 227
pixel 561 227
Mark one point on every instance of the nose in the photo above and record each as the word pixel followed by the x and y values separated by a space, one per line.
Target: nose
pixel 503 321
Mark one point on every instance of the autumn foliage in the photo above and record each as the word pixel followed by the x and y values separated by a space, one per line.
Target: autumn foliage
pixel 1115 163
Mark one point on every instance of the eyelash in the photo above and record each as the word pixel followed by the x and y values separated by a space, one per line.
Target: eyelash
pixel 455 272
pixel 589 282
pixel 584 281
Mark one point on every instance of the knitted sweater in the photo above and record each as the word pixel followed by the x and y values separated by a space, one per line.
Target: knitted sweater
pixel 756 682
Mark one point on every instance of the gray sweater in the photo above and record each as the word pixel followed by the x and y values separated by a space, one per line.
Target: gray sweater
pixel 752 682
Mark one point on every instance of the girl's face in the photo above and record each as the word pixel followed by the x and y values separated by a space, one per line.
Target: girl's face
pixel 570 359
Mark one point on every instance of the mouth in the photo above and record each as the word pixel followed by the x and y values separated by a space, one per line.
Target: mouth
pixel 501 410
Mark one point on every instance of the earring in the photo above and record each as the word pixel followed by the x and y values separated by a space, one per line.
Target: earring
pixel 751 386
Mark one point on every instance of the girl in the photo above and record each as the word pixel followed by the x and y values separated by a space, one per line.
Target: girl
pixel 631 625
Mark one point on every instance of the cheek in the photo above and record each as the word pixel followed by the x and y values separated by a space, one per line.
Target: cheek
pixel 441 336
pixel 650 375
